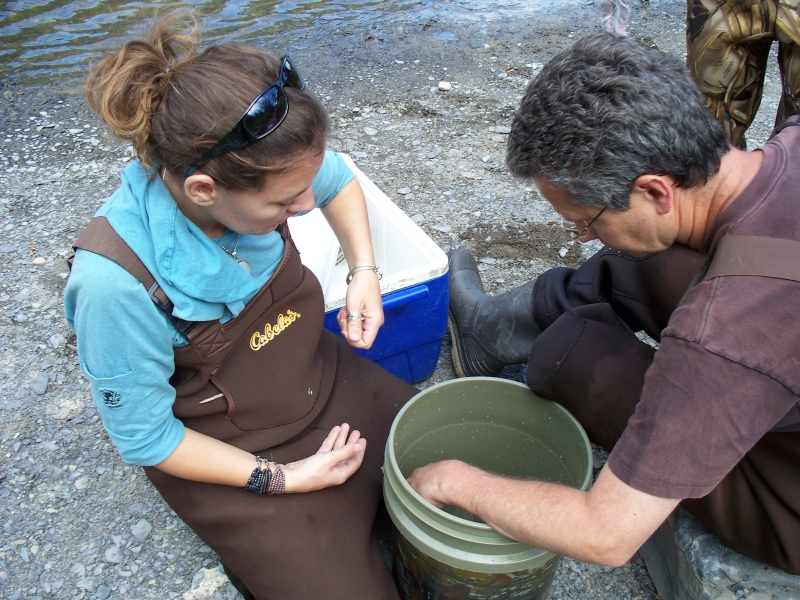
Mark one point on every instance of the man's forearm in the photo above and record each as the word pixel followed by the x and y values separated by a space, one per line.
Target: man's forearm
pixel 603 526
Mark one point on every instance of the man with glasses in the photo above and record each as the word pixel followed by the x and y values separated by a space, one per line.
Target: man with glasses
pixel 703 255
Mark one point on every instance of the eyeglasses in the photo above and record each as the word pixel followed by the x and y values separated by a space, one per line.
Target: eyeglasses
pixel 263 116
pixel 571 227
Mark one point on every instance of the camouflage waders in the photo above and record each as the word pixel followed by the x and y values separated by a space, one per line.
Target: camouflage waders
pixel 728 42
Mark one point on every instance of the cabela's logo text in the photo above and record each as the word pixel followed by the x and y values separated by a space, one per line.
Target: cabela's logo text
pixel 262 339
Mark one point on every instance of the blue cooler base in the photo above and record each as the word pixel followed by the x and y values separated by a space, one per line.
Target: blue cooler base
pixel 415 321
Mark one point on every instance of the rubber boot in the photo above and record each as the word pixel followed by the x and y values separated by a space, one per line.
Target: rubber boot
pixel 489 332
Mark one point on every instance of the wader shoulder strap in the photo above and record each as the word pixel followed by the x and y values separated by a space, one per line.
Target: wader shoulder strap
pixel 100 238
pixel 755 255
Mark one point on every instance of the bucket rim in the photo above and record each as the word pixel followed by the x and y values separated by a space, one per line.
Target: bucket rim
pixel 483 528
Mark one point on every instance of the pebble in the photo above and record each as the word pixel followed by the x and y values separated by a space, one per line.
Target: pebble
pixel 370 130
pixel 141 531
pixel 500 129
pixel 418 218
pixel 39 260
pixel 87 583
pixel 113 555
pixel 442 228
pixel 404 190
pixel 563 252
pixel 488 260
pixel 82 483
pixel 39 383
pixel 445 86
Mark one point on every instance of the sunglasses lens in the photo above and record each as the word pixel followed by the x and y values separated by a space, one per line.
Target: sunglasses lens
pixel 291 76
pixel 266 113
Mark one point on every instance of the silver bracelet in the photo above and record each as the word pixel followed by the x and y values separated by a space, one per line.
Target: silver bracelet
pixel 355 270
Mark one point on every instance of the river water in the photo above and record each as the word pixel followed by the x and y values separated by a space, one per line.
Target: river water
pixel 42 39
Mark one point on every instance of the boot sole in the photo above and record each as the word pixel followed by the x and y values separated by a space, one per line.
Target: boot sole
pixel 458 363
pixel 455 352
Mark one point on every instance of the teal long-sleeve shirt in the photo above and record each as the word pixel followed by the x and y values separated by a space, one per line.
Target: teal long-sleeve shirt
pixel 125 342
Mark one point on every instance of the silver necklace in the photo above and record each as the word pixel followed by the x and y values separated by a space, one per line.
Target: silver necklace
pixel 239 261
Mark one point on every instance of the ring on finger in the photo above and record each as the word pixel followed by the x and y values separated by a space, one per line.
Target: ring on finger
pixel 354 316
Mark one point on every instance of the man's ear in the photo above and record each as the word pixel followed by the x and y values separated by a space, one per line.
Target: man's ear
pixel 658 189
pixel 200 189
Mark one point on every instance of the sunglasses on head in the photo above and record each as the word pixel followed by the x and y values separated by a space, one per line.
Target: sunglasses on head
pixel 263 116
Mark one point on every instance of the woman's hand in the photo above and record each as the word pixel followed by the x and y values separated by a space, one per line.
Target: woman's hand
pixel 347 216
pixel 336 460
pixel 364 298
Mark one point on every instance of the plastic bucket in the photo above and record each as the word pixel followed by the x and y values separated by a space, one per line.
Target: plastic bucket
pixel 497 425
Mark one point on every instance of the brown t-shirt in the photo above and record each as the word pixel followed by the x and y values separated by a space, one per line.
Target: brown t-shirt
pixel 728 367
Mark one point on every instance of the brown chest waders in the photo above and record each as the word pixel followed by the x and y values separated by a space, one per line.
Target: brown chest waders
pixel 273 381
pixel 588 318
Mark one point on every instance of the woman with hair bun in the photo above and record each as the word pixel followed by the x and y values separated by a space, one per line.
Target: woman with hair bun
pixel 201 331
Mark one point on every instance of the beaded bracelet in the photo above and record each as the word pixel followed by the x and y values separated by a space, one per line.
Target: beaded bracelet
pixel 260 477
pixel 264 480
pixel 277 484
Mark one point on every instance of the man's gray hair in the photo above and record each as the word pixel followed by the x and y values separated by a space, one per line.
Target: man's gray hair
pixel 605 111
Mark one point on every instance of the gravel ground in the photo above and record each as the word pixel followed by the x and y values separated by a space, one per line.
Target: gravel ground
pixel 79 523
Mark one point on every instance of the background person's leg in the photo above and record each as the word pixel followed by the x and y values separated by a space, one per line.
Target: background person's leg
pixel 788 34
pixel 727 47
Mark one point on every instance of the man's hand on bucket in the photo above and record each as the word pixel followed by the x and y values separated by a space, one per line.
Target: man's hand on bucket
pixel 337 459
pixel 428 481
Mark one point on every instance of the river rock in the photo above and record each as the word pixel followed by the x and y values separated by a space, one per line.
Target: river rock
pixel 445 86
pixel 688 562
pixel 113 555
pixel 141 531
pixel 39 384
pixel 205 583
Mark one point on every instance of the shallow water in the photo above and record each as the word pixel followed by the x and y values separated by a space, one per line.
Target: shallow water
pixel 44 39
